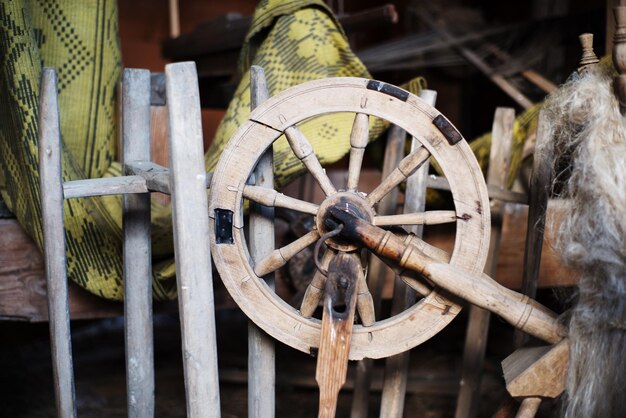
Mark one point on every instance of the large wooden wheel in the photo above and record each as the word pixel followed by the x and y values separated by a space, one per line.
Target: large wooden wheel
pixel 280 115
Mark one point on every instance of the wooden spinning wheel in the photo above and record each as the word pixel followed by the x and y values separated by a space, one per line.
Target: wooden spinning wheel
pixel 280 115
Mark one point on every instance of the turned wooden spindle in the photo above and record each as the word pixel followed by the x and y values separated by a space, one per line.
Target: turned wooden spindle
pixel 619 56
pixel 517 309
pixel 588 57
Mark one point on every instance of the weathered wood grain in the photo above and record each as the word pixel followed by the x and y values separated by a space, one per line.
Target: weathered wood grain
pixel 51 182
pixel 104 186
pixel 344 272
pixel 478 321
pixel 261 354
pixel 537 371
pixel 396 367
pixel 191 229
pixel 359 137
pixel 137 249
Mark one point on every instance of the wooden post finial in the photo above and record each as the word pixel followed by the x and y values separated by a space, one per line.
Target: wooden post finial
pixel 588 57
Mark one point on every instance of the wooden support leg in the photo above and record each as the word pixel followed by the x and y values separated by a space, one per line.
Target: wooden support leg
pixel 540 181
pixel 51 182
pixel 396 367
pixel 478 326
pixel 528 408
pixel 261 356
pixel 191 230
pixel 137 250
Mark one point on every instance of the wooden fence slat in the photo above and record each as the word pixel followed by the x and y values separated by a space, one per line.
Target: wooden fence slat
pixel 137 250
pixel 191 231
pixel 396 367
pixel 104 186
pixel 261 354
pixel 51 182
pixel 478 321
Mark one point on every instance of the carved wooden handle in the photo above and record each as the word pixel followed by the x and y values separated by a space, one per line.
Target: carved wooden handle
pixel 519 310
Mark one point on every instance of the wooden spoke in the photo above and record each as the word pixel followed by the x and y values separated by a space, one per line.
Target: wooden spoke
pixel 280 256
pixel 407 166
pixel 433 217
pixel 304 151
pixel 364 302
pixel 358 141
pixel 270 197
pixel 315 290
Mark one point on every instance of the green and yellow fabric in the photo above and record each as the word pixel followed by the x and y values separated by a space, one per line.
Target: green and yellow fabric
pixel 295 41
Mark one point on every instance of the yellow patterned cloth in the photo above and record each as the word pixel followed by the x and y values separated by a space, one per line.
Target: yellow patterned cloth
pixel 295 41
pixel 79 39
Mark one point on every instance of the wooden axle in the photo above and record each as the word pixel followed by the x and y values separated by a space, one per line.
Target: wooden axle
pixel 520 311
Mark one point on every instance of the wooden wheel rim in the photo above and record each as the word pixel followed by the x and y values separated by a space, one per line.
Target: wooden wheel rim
pixel 266 124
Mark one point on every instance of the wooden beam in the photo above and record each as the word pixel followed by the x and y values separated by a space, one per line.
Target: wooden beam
pixel 137 249
pixel 104 186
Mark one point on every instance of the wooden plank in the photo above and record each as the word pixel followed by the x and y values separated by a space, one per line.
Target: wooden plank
pixel 441 183
pixel 191 230
pixel 137 249
pixel 478 322
pixel 51 181
pixel 537 371
pixel 23 295
pixel 261 355
pixel 396 367
pixel 104 186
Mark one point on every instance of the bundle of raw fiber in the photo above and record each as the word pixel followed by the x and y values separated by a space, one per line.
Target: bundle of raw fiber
pixel 588 130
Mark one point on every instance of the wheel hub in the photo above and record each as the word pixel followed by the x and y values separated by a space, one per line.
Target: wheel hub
pixel 351 202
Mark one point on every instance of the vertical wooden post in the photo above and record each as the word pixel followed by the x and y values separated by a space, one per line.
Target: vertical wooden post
pixel 396 367
pixel 191 230
pixel 478 322
pixel 137 250
pixel 394 152
pixel 261 356
pixel 51 183
pixel 540 181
